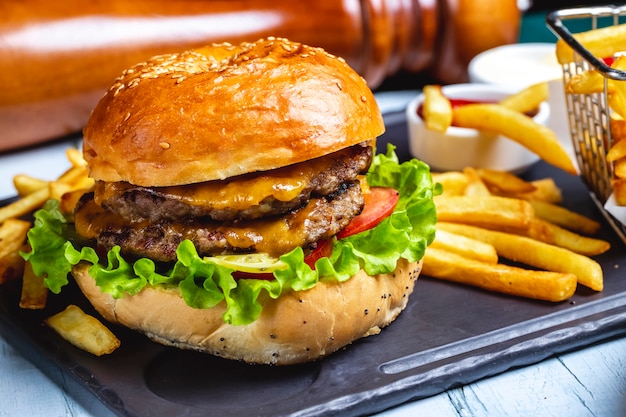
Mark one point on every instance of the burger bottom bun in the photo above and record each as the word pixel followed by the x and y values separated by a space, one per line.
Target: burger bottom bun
pixel 298 327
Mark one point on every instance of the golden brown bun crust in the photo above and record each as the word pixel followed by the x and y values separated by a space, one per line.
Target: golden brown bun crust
pixel 298 327
pixel 223 110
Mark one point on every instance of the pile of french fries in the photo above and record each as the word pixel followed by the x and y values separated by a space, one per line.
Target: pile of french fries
pixel 509 117
pixel 486 216
pixel 78 328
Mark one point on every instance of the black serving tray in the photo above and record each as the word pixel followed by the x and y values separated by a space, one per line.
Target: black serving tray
pixel 448 335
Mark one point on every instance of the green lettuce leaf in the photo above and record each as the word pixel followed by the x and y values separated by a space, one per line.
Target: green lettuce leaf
pixel 203 284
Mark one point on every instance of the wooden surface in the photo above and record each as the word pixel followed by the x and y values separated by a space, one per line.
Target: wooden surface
pixel 587 382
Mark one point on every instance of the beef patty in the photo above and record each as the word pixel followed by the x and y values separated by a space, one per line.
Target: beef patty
pixel 320 218
pixel 246 197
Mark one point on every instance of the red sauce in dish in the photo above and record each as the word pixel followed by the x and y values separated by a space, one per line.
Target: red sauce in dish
pixel 456 102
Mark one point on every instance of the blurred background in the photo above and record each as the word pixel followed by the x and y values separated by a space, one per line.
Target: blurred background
pixel 58 58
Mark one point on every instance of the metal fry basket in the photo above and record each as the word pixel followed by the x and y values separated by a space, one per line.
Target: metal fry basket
pixel 589 114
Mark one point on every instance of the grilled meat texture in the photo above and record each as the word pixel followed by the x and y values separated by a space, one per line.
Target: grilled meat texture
pixel 320 218
pixel 135 203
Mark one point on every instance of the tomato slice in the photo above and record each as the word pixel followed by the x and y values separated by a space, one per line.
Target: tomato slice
pixel 323 249
pixel 379 204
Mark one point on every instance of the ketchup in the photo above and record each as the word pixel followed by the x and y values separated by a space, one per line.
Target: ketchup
pixel 455 102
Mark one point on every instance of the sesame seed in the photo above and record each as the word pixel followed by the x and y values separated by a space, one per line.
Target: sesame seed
pixel 164 145
pixel 363 99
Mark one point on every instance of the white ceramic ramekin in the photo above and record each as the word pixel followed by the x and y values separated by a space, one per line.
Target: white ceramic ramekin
pixel 458 148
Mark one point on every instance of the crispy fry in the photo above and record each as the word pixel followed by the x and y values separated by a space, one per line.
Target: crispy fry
pixel 535 253
pixel 619 168
pixel 12 239
pixel 603 42
pixel 528 99
pixel 475 186
pixel 587 82
pixel 541 285
pixel 11 266
pixel 493 210
pixel 437 109
pixel 617 102
pixel 545 190
pixel 453 182
pixel 563 217
pixel 617 96
pixel 554 235
pixel 617 151
pixel 25 184
pixel 24 205
pixel 518 127
pixel 505 182
pixel 464 246
pixel 617 125
pixel 34 293
pixel 75 157
pixel 83 331
pixel 619 190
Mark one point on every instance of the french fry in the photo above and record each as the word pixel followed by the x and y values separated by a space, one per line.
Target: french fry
pixel 11 266
pixel 437 109
pixel 537 138
pixel 619 190
pixel 617 125
pixel 475 186
pixel 563 217
pixel 453 182
pixel 528 99
pixel 602 42
pixel 545 190
pixel 12 239
pixel 552 234
pixel 56 189
pixel 465 246
pixel 619 168
pixel 617 102
pixel 493 210
pixel 617 97
pixel 34 293
pixel 617 151
pixel 25 184
pixel 75 157
pixel 505 182
pixel 24 205
pixel 540 285
pixel 535 253
pixel 587 82
pixel 83 331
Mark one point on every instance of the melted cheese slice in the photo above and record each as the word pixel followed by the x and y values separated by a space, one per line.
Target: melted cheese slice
pixel 284 184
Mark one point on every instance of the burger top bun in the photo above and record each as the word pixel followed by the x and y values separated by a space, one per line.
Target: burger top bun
pixel 297 327
pixel 225 110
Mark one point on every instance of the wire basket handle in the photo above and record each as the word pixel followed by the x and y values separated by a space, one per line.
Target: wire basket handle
pixel 555 23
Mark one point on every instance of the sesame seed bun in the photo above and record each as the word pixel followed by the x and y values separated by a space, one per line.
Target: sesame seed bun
pixel 224 110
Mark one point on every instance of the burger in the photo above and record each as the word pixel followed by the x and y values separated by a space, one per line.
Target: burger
pixel 240 207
